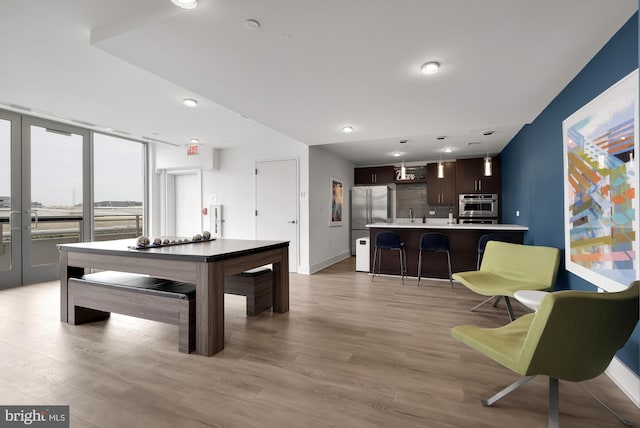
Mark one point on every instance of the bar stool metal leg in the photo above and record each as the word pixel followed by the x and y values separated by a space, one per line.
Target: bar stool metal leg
pixel 449 261
pixel 373 270
pixel 402 264
pixel 419 266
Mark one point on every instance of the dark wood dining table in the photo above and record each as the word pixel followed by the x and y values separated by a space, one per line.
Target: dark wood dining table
pixel 203 263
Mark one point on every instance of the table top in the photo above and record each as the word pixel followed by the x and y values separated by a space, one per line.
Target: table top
pixel 204 251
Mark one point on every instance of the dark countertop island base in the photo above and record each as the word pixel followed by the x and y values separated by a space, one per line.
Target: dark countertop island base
pixel 463 247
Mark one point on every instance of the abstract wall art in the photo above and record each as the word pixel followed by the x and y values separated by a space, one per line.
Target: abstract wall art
pixel 601 187
pixel 337 201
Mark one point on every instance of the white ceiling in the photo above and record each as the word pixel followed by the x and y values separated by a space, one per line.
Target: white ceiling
pixel 311 68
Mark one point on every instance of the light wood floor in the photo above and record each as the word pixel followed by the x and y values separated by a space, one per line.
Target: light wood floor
pixel 348 354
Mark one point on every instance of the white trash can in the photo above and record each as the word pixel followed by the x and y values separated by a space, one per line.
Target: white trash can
pixel 362 255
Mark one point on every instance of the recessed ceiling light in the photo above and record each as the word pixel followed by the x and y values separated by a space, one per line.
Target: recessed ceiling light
pixel 252 24
pixel 442 137
pixel 487 133
pixel 473 143
pixel 185 4
pixel 194 140
pixel 430 67
pixel 448 149
pixel 190 102
pixel 347 129
pixel 396 154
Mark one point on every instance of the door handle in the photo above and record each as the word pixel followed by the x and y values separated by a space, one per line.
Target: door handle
pixel 292 222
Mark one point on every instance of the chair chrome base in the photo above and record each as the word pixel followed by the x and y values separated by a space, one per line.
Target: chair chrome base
pixel 554 399
pixel 495 304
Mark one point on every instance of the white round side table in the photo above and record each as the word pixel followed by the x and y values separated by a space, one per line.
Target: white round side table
pixel 530 298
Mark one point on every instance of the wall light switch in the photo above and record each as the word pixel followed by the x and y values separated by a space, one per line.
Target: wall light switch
pixel 518 213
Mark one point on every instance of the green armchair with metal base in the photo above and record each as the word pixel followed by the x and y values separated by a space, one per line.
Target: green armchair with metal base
pixel 507 268
pixel 573 336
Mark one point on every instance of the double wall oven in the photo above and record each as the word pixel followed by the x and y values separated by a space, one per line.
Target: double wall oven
pixel 478 208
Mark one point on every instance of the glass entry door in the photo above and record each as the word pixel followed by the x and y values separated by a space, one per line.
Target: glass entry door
pixel 43 196
pixel 10 201
pixel 55 199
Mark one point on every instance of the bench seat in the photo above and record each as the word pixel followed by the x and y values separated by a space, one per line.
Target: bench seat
pixel 95 296
pixel 256 285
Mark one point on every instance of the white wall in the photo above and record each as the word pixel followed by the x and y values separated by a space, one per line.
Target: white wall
pixel 328 244
pixel 232 181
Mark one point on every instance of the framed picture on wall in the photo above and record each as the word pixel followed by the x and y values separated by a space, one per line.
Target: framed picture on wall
pixel 337 201
pixel 601 187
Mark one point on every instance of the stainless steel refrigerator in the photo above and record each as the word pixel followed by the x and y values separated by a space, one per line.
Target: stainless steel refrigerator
pixel 369 204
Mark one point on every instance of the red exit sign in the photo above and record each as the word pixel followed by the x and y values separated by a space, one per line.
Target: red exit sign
pixel 193 149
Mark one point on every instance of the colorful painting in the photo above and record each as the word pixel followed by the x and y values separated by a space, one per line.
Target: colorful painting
pixel 601 187
pixel 337 201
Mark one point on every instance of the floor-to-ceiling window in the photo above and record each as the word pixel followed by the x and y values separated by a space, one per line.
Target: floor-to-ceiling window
pixel 119 187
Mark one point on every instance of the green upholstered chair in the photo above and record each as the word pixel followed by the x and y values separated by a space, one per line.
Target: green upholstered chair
pixel 507 268
pixel 573 336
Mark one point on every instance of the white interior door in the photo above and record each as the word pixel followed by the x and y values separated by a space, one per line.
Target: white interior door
pixel 188 204
pixel 277 204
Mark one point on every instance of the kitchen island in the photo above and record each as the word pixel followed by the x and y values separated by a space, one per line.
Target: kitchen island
pixel 463 243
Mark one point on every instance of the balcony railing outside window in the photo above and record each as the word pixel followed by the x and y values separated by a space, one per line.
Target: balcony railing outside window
pixel 53 230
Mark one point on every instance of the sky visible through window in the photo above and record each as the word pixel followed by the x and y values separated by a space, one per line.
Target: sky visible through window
pixel 56 168
pixel 118 169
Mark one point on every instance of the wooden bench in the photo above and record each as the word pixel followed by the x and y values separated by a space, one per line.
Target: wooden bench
pixel 256 285
pixel 96 295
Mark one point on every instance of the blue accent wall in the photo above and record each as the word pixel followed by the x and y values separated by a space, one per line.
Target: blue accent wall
pixel 532 168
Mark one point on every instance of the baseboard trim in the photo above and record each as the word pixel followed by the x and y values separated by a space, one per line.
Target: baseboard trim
pixel 303 269
pixel 625 379
pixel 317 267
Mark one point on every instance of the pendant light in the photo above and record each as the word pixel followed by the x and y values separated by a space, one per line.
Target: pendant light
pixel 403 169
pixel 440 169
pixel 487 166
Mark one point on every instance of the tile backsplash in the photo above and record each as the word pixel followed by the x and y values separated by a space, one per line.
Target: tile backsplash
pixel 414 196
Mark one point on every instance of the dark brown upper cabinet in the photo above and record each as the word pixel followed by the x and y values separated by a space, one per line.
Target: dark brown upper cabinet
pixel 374 175
pixel 441 191
pixel 470 176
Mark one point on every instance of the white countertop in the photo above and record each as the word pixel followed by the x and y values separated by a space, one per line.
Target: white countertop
pixel 419 225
